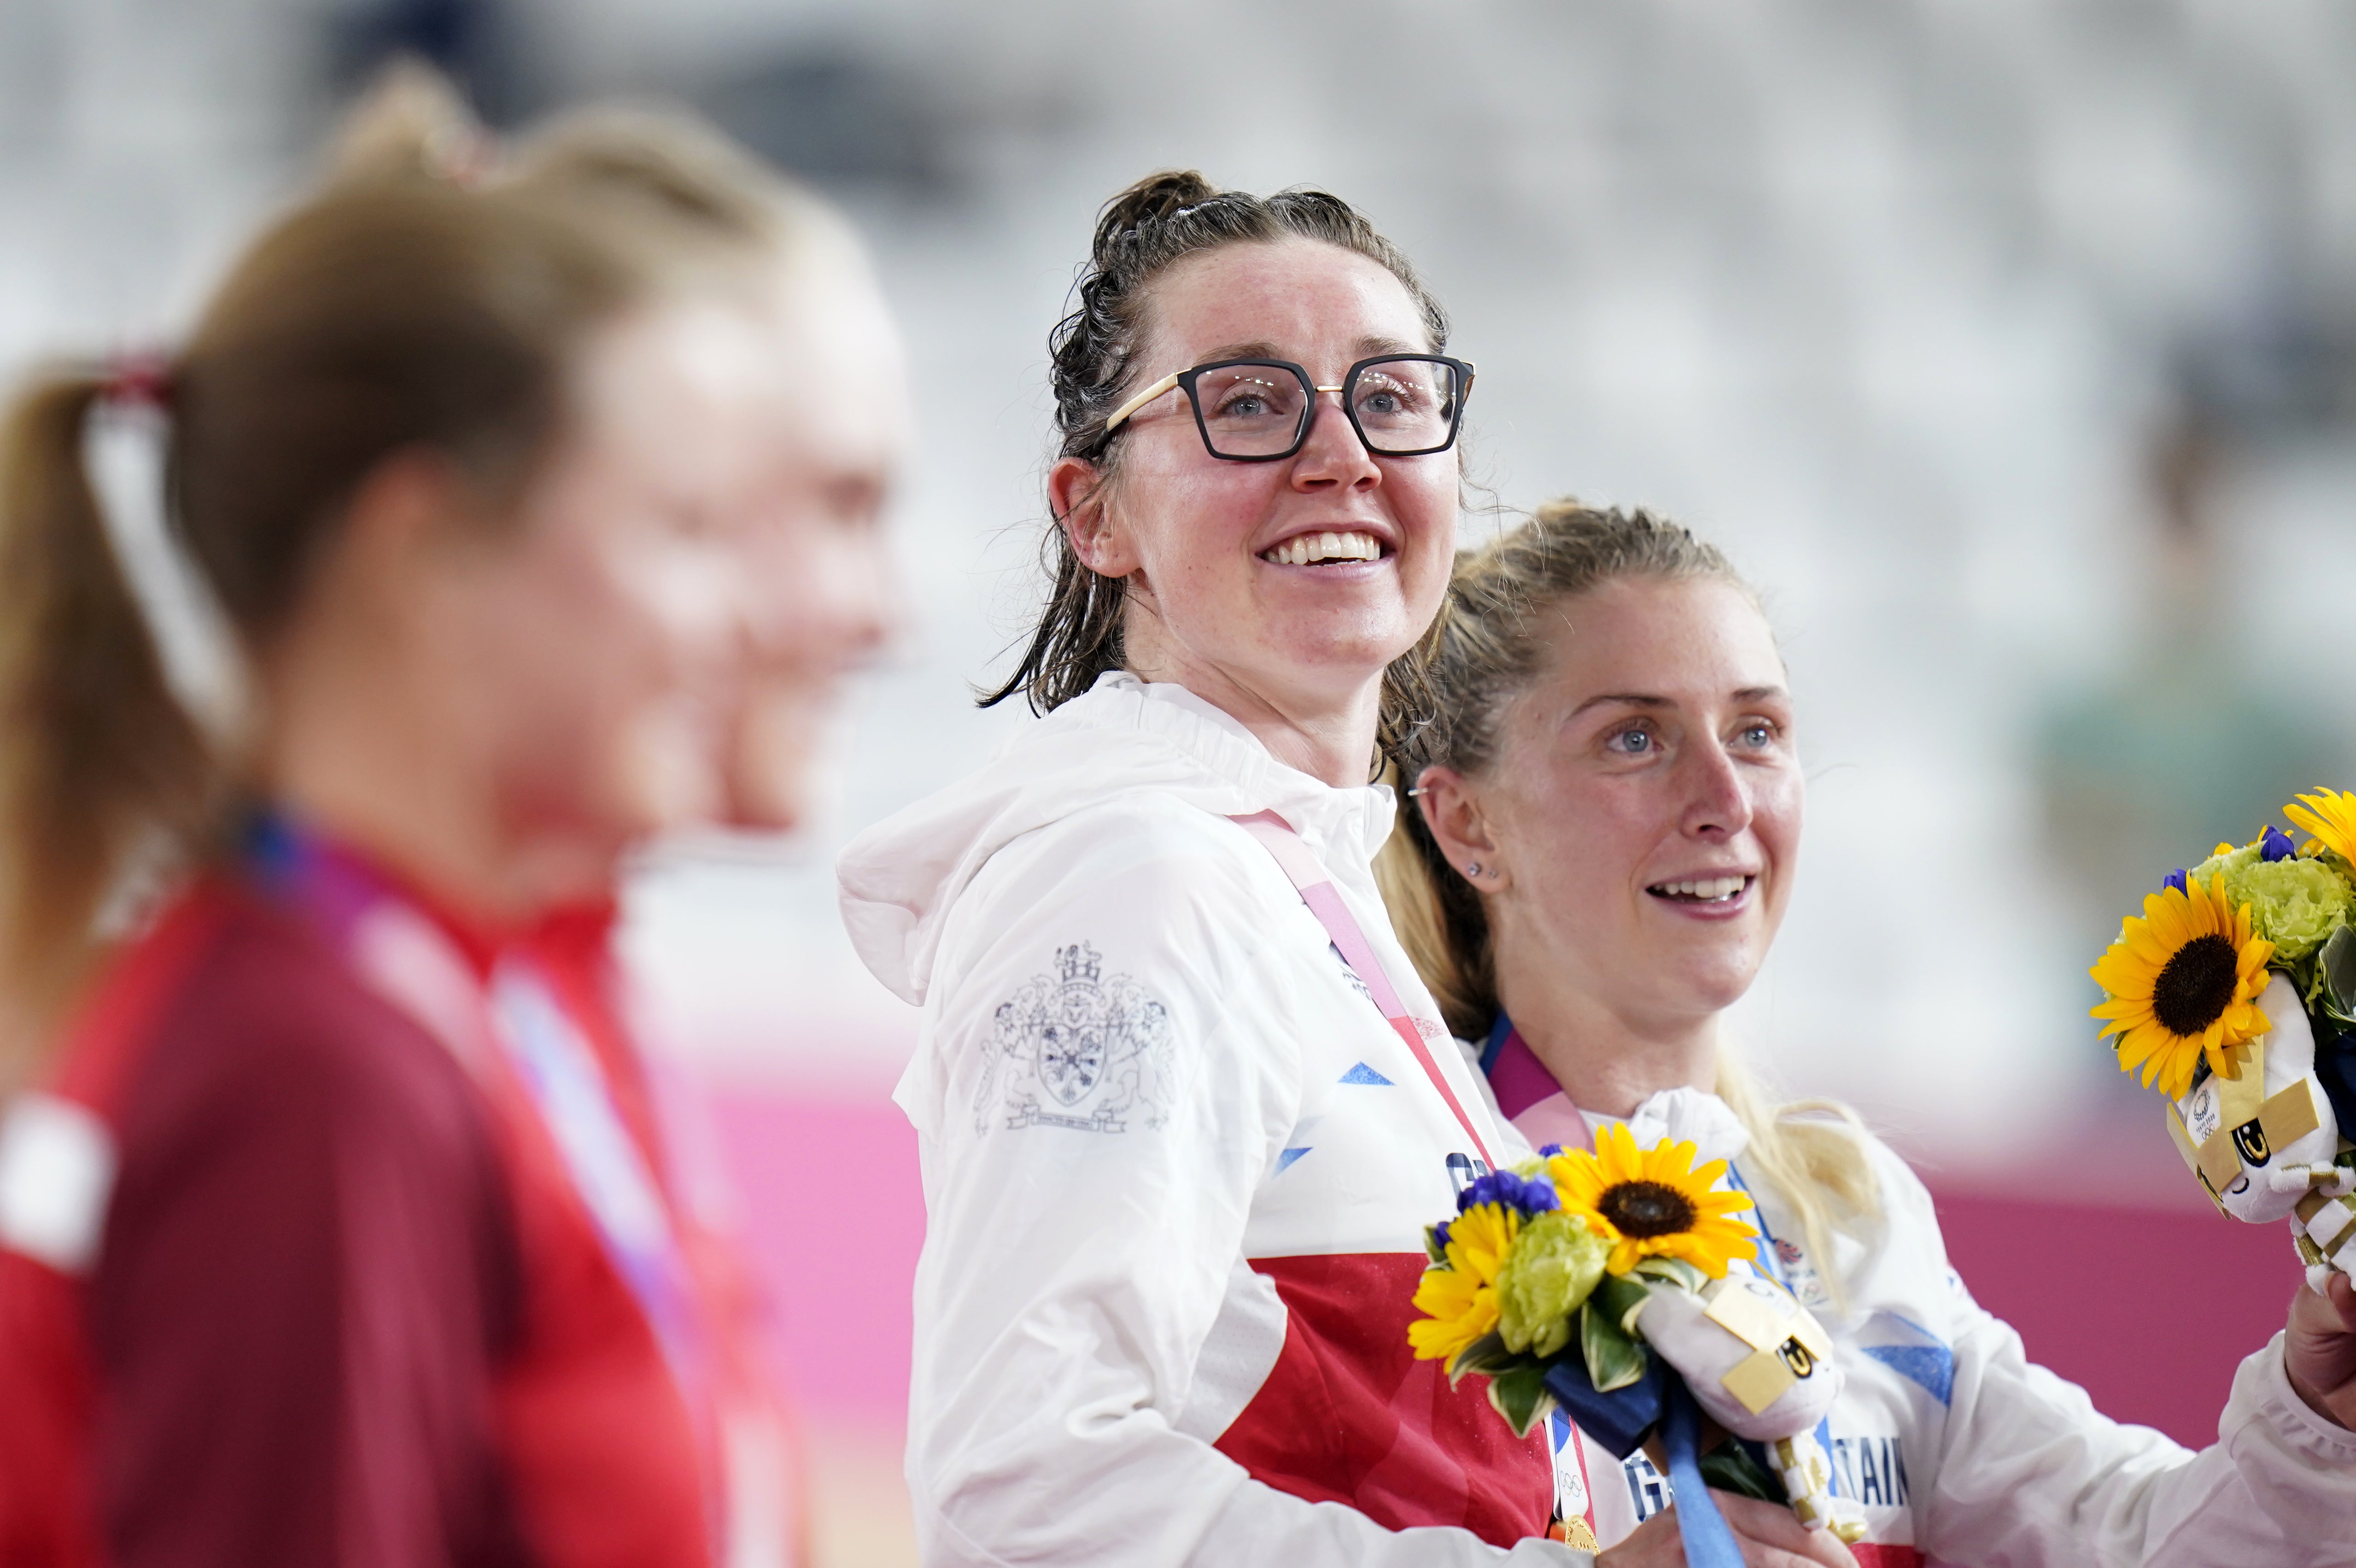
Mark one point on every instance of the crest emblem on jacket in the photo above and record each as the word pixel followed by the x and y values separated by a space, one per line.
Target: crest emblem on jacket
pixel 1077 1048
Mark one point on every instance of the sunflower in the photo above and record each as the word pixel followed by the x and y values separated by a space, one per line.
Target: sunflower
pixel 2331 817
pixel 2181 983
pixel 1650 1203
pixel 1459 1298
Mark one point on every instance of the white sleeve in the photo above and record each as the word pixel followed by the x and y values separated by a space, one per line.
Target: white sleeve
pixel 2031 1474
pixel 1073 1271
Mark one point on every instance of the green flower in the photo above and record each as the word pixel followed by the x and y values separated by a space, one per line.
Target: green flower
pixel 1547 1277
pixel 2294 904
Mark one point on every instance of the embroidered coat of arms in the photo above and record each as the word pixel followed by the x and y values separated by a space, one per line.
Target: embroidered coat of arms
pixel 1077 1048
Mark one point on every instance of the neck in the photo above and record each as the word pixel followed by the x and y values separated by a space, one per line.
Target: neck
pixel 1605 1061
pixel 380 775
pixel 1328 735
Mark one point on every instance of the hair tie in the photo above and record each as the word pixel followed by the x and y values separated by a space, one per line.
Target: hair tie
pixel 143 380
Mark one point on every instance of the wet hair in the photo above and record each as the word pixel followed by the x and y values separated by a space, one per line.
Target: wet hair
pixel 1504 600
pixel 1140 234
pixel 426 297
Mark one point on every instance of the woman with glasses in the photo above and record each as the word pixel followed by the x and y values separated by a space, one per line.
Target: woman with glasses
pixel 1182 1105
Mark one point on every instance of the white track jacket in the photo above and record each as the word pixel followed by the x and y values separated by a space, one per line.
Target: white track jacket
pixel 1176 1170
pixel 1176 1167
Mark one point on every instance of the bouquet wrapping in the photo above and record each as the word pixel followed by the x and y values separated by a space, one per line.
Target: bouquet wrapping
pixel 1600 1283
pixel 2234 993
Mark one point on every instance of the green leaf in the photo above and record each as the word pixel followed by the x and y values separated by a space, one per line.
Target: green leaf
pixel 1521 1397
pixel 1622 1297
pixel 1673 1271
pixel 2337 961
pixel 1613 1359
pixel 1487 1355
pixel 1731 1469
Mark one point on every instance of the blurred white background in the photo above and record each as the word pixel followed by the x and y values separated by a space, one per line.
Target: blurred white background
pixel 1891 297
pixel 2008 345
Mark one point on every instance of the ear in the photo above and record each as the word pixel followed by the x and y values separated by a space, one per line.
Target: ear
pixel 1450 804
pixel 399 524
pixel 1075 492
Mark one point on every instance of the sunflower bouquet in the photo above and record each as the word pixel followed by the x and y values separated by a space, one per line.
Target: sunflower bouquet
pixel 2234 992
pixel 1600 1284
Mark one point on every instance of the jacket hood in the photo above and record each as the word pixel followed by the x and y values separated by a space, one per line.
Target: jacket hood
pixel 1123 736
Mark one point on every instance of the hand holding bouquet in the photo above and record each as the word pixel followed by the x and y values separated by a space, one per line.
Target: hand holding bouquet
pixel 2235 993
pixel 1600 1282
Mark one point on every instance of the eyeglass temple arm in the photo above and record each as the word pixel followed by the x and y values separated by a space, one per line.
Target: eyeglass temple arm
pixel 1140 401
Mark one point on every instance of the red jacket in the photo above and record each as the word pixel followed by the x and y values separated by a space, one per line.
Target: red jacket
pixel 294 1269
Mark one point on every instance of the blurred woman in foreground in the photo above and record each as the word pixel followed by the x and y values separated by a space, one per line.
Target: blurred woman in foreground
pixel 1597 852
pixel 340 1222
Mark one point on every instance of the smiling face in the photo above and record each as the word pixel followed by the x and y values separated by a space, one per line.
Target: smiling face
pixel 1642 814
pixel 1276 587
pixel 822 591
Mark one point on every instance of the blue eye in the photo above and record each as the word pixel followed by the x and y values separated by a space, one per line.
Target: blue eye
pixel 1632 743
pixel 1761 734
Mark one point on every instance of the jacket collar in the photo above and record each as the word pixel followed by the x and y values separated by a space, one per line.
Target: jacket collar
pixel 1343 826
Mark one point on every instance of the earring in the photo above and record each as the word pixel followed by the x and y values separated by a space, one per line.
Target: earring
pixel 1473 868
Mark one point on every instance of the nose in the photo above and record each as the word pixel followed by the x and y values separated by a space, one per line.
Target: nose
pixel 1332 457
pixel 1717 797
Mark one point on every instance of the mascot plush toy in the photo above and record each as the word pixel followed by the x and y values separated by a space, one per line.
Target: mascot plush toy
pixel 2235 993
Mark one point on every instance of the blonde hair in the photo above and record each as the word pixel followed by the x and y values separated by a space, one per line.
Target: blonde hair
pixel 1488 646
pixel 426 297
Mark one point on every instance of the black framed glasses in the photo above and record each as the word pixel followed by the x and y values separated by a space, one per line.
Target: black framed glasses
pixel 1260 411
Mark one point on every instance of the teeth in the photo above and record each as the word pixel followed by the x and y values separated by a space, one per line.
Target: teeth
pixel 1309 549
pixel 1709 889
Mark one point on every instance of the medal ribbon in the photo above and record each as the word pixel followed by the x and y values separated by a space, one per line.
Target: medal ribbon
pixel 1315 886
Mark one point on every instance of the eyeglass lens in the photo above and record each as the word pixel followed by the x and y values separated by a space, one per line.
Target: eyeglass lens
pixel 1257 410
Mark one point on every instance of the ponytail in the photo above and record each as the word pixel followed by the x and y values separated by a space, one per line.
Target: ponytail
pixel 1812 1152
pixel 427 296
pixel 1439 921
pixel 96 757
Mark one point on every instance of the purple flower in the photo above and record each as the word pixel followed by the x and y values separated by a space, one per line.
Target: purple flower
pixel 2275 846
pixel 1505 1187
pixel 1550 1151
pixel 1440 1235
pixel 2174 879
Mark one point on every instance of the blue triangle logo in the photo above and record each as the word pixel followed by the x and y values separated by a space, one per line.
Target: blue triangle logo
pixel 1284 1161
pixel 1361 1073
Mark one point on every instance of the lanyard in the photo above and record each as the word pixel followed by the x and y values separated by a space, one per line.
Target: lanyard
pixel 567 1082
pixel 1769 1264
pixel 1315 886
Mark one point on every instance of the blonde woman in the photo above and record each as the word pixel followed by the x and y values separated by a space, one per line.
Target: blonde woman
pixel 1598 851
